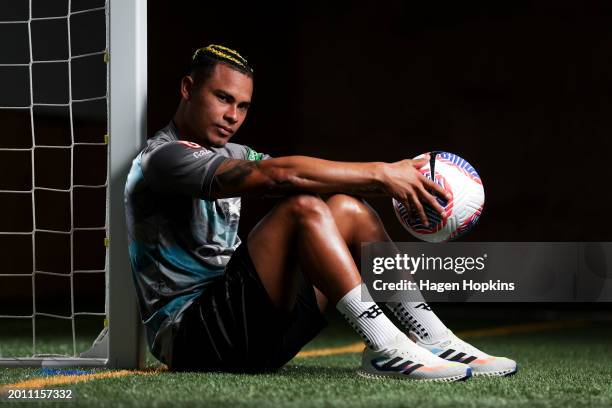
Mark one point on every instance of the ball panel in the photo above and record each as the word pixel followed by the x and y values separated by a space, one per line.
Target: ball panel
pixel 455 175
pixel 462 164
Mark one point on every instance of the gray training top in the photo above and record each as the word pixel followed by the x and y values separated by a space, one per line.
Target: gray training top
pixel 179 238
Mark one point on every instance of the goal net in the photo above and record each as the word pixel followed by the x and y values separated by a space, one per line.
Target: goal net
pixel 73 80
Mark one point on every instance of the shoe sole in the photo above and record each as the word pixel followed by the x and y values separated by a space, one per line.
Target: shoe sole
pixel 455 378
pixel 503 373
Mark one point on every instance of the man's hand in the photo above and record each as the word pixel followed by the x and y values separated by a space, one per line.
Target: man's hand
pixel 405 183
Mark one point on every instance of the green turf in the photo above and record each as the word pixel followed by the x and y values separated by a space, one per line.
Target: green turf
pixel 570 368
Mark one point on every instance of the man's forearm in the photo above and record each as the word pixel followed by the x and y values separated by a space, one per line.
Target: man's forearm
pixel 299 173
pixel 324 176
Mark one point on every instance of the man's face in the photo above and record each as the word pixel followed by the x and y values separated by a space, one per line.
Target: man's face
pixel 216 109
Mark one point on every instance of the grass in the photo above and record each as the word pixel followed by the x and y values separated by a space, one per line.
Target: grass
pixel 568 368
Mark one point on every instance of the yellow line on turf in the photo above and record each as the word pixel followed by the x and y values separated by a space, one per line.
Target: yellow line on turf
pixel 351 348
pixel 495 331
pixel 63 379
pixel 42 382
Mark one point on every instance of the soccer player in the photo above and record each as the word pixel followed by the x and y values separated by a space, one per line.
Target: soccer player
pixel 210 302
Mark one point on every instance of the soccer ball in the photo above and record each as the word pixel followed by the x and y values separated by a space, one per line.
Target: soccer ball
pixel 463 209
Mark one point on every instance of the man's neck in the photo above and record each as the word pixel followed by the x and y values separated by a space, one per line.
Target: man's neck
pixel 183 130
pixel 179 124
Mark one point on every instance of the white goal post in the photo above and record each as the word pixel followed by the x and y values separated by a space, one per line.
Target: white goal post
pixel 121 344
pixel 128 119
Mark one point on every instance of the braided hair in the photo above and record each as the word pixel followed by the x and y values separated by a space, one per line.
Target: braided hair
pixel 206 58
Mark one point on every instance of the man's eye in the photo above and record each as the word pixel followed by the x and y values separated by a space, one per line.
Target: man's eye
pixel 222 98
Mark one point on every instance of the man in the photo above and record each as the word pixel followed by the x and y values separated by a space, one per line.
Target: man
pixel 210 302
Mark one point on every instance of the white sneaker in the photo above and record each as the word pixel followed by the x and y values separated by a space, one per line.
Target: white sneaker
pixel 404 359
pixel 452 348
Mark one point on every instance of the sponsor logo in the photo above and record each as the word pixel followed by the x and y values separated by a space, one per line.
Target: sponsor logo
pixel 371 313
pixel 423 306
pixel 253 155
pixel 190 144
pixel 201 153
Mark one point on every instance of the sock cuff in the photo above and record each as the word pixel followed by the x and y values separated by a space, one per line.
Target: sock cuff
pixel 367 319
pixel 349 296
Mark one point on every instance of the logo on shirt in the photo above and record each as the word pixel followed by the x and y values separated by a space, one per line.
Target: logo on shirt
pixel 201 153
pixel 189 144
pixel 253 155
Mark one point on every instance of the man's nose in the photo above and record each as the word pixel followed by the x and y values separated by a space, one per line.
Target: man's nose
pixel 231 114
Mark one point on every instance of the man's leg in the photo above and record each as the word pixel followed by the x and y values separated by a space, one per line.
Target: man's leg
pixel 300 231
pixel 357 223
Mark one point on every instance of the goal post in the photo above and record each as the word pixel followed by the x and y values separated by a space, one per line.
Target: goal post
pixel 128 116
pixel 121 343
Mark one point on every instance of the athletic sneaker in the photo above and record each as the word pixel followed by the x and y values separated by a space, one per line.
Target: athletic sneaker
pixel 404 359
pixel 452 348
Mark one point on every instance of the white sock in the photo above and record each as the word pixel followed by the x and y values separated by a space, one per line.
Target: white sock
pixel 419 318
pixel 367 319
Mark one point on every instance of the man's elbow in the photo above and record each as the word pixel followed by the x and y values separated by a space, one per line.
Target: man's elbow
pixel 280 179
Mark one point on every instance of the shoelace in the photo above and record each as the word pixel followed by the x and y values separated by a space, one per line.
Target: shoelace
pixel 465 347
pixel 412 352
pixel 422 356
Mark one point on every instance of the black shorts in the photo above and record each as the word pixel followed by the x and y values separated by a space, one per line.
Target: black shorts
pixel 234 326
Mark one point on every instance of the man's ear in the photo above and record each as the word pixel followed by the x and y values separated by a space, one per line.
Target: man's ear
pixel 186 87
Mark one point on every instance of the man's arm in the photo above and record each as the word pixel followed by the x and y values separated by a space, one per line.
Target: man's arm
pixel 295 173
pixel 400 180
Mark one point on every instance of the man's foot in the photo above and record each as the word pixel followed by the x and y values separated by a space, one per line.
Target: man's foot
pixel 404 359
pixel 452 348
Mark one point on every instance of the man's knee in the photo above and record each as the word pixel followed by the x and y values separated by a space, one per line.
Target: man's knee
pixel 356 220
pixel 343 205
pixel 306 208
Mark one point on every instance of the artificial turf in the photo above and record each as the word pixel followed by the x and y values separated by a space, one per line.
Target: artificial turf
pixel 563 368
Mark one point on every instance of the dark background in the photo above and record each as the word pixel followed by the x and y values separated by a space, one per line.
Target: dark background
pixel 520 89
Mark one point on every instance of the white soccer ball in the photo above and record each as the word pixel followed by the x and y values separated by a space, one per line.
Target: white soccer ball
pixel 463 209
